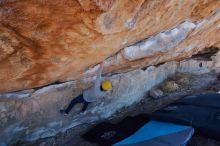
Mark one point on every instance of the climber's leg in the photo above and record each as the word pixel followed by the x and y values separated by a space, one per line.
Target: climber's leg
pixel 85 105
pixel 78 99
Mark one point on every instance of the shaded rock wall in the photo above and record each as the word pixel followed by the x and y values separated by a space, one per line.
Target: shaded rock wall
pixel 42 42
pixel 33 114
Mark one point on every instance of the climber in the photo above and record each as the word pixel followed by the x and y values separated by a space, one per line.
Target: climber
pixel 98 91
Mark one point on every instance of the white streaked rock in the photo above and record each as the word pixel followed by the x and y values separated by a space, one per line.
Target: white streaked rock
pixel 162 42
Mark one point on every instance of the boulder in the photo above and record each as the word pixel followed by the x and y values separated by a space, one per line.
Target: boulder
pixel 50 51
pixel 43 42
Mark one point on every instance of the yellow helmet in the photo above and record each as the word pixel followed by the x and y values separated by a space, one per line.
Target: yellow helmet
pixel 106 85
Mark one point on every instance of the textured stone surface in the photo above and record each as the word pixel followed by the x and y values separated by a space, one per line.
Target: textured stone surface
pixel 46 41
pixel 170 86
pixel 52 41
pixel 33 114
pixel 155 93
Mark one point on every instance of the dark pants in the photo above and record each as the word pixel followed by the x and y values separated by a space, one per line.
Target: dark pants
pixel 78 99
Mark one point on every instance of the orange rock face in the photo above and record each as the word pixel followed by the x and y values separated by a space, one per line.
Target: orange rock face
pixel 44 41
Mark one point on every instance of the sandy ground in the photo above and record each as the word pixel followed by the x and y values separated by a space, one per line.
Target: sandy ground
pixel 198 83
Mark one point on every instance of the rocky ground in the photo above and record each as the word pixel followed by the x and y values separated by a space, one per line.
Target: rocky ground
pixel 174 88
